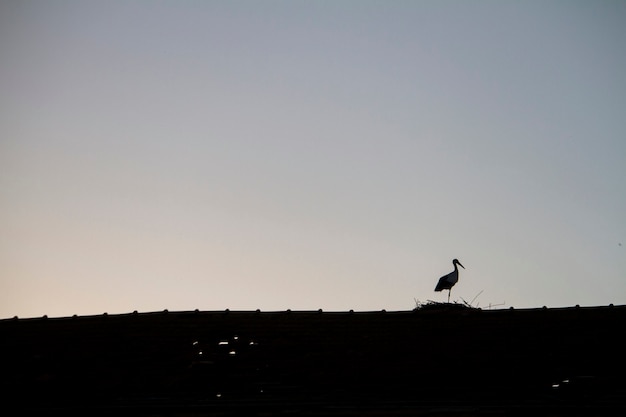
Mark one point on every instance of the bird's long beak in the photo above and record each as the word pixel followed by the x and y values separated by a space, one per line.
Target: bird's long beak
pixel 460 264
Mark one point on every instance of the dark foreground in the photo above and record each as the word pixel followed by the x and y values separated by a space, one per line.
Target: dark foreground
pixel 442 361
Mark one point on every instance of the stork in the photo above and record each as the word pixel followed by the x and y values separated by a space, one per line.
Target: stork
pixel 446 282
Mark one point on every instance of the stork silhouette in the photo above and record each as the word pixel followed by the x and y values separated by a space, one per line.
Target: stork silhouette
pixel 446 282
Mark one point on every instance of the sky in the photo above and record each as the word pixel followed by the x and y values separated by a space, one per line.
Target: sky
pixel 312 154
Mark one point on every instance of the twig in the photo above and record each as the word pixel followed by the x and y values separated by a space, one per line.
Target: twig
pixel 472 302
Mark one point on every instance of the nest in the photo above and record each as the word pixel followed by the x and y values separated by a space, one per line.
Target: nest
pixel 430 305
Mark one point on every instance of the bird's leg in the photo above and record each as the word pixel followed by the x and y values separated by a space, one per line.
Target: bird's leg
pixel 449 295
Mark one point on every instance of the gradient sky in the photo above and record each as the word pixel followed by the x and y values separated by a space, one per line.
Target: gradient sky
pixel 310 154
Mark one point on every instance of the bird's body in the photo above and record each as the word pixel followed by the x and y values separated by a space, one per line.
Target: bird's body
pixel 446 282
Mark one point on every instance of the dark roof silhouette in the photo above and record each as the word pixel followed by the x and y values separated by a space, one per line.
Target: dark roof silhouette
pixel 461 361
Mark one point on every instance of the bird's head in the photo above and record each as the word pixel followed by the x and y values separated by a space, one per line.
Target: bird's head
pixel 456 262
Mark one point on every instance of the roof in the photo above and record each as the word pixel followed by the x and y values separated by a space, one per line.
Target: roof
pixel 216 362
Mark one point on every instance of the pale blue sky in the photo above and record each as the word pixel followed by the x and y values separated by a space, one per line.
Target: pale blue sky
pixel 310 154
